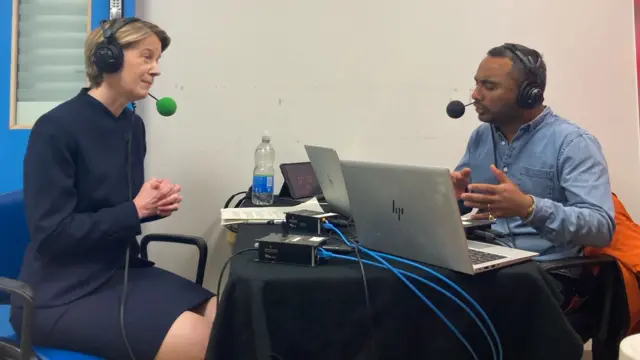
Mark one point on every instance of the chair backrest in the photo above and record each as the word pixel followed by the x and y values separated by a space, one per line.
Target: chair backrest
pixel 14 234
pixel 625 244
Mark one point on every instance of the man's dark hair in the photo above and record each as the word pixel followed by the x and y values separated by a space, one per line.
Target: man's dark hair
pixel 520 69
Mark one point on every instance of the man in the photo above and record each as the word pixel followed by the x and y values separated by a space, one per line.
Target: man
pixel 543 178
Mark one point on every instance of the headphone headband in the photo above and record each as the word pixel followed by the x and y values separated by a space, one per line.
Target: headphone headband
pixel 109 32
pixel 529 93
pixel 533 66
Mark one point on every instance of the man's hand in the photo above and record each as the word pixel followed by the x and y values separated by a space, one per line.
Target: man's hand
pixel 460 181
pixel 170 202
pixel 503 200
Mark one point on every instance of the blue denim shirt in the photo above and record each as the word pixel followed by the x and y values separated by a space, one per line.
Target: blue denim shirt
pixel 563 168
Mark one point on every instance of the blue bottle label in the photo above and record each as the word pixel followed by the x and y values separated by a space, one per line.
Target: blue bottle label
pixel 263 184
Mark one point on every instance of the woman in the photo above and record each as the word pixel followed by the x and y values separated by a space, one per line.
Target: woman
pixel 85 198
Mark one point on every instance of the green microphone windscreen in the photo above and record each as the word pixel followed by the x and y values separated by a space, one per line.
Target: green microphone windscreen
pixel 166 106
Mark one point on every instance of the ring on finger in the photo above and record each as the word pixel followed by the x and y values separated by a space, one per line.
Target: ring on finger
pixel 491 217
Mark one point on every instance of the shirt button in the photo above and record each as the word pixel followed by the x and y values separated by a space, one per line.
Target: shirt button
pixel 505 169
pixel 504 143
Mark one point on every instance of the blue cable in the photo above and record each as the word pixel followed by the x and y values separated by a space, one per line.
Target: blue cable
pixel 375 254
pixel 464 294
pixel 419 294
pixel 329 254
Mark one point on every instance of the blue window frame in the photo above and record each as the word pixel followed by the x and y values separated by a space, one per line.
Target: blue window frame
pixel 14 135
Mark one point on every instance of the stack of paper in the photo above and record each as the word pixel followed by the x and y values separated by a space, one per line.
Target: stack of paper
pixel 263 215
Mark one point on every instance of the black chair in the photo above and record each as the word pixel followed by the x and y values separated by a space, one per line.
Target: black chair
pixel 14 238
pixel 604 316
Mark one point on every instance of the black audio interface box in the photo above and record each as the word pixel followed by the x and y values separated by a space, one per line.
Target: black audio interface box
pixel 308 221
pixel 291 249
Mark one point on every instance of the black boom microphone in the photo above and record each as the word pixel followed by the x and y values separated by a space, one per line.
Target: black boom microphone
pixel 456 108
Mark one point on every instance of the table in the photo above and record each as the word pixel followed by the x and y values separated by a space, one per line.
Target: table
pixel 304 313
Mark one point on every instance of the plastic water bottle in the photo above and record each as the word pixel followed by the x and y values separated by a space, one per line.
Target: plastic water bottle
pixel 263 171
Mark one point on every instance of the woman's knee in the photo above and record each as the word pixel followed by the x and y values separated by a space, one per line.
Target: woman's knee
pixel 187 338
pixel 208 310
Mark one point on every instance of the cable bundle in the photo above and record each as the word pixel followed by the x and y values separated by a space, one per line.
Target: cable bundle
pixel 402 274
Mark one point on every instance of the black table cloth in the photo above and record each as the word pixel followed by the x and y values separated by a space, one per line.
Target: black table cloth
pixel 289 312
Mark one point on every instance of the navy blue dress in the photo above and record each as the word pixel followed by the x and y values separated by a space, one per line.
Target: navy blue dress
pixel 81 219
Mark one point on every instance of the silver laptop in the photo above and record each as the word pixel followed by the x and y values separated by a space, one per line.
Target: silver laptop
pixel 326 165
pixel 411 212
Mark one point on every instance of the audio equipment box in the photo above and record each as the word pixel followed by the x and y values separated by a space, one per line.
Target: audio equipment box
pixel 291 249
pixel 307 221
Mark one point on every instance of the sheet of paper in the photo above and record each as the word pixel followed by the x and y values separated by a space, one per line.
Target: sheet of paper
pixel 261 215
pixel 467 216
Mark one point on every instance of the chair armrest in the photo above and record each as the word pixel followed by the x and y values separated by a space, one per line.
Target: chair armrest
pixel 18 288
pixel 25 295
pixel 179 239
pixel 576 261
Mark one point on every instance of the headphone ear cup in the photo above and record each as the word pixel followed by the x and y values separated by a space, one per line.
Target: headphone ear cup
pixel 108 58
pixel 536 96
pixel 529 96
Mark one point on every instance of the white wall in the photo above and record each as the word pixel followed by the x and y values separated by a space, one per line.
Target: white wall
pixel 370 78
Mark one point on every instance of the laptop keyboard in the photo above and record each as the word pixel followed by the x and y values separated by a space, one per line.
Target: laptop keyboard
pixel 480 257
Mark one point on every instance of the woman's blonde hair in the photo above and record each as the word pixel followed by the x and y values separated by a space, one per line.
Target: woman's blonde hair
pixel 127 36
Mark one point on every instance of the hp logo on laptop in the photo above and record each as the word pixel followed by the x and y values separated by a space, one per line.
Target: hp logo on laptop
pixel 397 210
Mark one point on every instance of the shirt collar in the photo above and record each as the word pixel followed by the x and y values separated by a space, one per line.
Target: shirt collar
pixel 531 125
pixel 84 96
pixel 539 120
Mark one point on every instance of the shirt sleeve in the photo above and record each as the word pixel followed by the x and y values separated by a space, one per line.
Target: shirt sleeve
pixel 50 197
pixel 587 217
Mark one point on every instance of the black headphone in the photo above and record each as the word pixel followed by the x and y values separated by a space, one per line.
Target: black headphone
pixel 109 55
pixel 529 93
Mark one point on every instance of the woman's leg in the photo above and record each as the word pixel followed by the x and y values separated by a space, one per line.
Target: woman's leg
pixel 189 335
pixel 187 339
pixel 207 310
pixel 160 321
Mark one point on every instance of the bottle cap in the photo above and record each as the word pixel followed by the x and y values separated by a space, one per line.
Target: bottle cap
pixel 265 136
